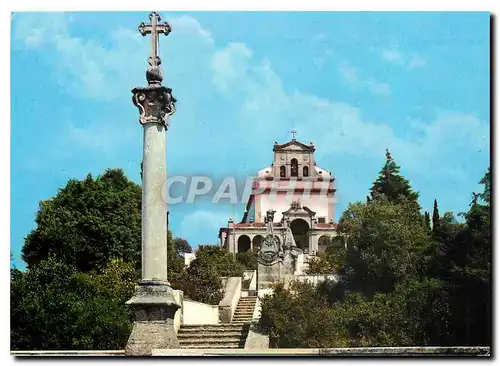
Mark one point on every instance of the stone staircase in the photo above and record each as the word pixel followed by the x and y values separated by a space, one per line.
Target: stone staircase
pixel 244 310
pixel 232 335
pixel 213 336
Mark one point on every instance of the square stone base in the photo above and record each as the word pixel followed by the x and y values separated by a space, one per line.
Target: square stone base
pixel 154 306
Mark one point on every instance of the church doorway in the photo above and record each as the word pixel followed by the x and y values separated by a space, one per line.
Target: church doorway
pixel 243 243
pixel 300 229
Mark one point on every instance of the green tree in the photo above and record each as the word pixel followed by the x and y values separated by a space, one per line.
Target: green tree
pixel 248 259
pixel 392 184
pixel 201 280
pixel 435 218
pixel 427 221
pixel 89 222
pixel 182 246
pixel 386 243
pixel 55 307
pixel 332 260
pixel 468 272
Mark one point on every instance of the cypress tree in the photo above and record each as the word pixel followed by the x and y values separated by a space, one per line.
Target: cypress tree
pixel 391 183
pixel 435 218
pixel 427 221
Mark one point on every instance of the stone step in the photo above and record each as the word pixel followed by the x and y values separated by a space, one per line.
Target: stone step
pixel 212 340
pixel 209 346
pixel 237 328
pixel 203 326
pixel 184 335
pixel 248 315
pixel 244 312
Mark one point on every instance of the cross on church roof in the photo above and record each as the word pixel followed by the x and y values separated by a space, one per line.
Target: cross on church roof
pixel 155 28
pixel 293 132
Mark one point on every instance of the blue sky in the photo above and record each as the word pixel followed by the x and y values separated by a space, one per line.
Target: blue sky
pixel 353 83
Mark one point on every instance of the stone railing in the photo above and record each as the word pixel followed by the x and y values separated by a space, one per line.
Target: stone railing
pixel 179 296
pixel 194 312
pixel 316 279
pixel 336 352
pixel 252 287
pixel 228 304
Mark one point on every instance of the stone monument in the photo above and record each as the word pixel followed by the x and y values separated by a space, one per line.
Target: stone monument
pixel 275 262
pixel 153 302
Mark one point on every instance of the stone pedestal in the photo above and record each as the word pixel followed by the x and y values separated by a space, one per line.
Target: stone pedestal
pixel 154 307
pixel 269 273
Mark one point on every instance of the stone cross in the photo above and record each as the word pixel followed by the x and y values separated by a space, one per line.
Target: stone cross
pixel 155 28
pixel 293 132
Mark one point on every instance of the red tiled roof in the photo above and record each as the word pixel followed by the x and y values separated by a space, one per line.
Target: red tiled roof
pixel 326 226
pixel 256 224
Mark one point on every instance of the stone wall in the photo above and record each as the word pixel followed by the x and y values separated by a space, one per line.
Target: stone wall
pixel 179 296
pixel 194 312
pixel 316 279
pixel 228 304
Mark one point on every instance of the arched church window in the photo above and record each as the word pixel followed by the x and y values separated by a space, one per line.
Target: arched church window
pixel 295 168
pixel 282 171
pixel 305 171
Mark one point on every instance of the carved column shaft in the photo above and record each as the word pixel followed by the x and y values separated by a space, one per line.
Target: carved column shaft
pixel 155 104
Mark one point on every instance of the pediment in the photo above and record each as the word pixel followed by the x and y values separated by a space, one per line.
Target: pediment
pixel 297 210
pixel 293 145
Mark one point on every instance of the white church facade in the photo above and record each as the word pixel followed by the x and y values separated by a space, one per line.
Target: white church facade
pixel 302 196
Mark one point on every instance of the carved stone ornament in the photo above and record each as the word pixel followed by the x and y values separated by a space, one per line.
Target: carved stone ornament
pixel 155 104
pixel 269 251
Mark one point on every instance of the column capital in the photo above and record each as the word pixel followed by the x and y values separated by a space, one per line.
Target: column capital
pixel 155 104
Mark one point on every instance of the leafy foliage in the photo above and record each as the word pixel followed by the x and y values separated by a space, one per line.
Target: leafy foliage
pixel 182 246
pixel 201 280
pixel 391 184
pixel 55 307
pixel 385 242
pixel 248 259
pixel 89 222
pixel 332 260
pixel 402 284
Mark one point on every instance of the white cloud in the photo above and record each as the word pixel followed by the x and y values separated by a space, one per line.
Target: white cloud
pixel 92 67
pixel 392 56
pixel 229 64
pixel 32 30
pixel 190 26
pixel 378 87
pixel 335 126
pixel 350 75
pixel 416 61
pixel 398 58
